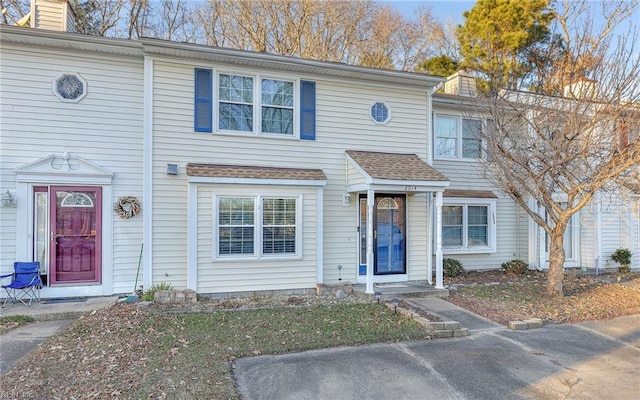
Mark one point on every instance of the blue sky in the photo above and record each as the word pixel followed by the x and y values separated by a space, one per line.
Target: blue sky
pixel 442 9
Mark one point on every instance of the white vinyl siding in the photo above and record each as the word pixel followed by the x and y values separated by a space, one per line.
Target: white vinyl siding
pixel 105 128
pixel 343 123
pixel 49 15
pixel 511 223
pixel 241 274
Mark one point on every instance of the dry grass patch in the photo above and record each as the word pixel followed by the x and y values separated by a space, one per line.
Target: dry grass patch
pixel 517 297
pixel 125 352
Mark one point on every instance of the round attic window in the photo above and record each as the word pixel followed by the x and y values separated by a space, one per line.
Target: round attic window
pixel 70 87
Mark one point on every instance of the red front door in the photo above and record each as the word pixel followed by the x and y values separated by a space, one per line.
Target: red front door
pixel 76 235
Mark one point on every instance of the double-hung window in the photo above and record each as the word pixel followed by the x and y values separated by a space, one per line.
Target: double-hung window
pixel 457 137
pixel 237 105
pixel 277 107
pixel 254 104
pixel 236 226
pixel 468 226
pixel 256 226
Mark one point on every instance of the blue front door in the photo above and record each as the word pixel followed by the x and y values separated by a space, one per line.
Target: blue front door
pixel 388 235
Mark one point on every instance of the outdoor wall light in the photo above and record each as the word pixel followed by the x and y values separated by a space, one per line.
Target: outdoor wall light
pixel 346 199
pixel 8 199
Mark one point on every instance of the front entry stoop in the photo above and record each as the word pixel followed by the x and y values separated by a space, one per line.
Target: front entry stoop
pixel 400 290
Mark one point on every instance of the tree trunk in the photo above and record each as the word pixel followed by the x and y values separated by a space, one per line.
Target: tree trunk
pixel 556 262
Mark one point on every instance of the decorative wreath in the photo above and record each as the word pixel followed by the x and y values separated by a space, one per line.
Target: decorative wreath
pixel 127 207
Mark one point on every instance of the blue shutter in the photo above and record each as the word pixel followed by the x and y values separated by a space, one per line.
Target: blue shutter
pixel 203 111
pixel 307 110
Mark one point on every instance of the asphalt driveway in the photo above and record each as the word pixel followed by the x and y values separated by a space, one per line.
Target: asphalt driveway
pixel 593 360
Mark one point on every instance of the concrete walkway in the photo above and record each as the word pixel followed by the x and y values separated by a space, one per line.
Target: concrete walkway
pixel 50 318
pixel 591 360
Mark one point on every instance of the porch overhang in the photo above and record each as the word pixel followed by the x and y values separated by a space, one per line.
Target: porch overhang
pixel 391 172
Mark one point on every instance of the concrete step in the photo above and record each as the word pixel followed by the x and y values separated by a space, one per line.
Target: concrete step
pixel 404 290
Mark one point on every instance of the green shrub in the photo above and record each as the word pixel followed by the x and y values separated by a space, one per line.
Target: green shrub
pixel 149 294
pixel 515 266
pixel 452 267
pixel 622 257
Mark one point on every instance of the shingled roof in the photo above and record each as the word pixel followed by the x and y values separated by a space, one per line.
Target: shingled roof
pixel 250 172
pixel 394 166
pixel 476 194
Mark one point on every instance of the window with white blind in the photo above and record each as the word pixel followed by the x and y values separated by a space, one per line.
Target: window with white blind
pixel 468 226
pixel 256 226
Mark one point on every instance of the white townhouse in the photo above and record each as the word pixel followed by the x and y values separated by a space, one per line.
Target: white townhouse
pixel 127 163
pixel 483 227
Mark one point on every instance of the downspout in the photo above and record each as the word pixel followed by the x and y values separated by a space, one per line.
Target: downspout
pixel 430 122
pixel 147 175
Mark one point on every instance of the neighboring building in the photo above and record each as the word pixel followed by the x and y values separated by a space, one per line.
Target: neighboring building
pixel 253 172
pixel 483 228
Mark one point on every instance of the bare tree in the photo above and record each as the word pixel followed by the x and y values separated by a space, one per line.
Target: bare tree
pixel 172 21
pixel 13 10
pixel 356 32
pixel 98 17
pixel 553 154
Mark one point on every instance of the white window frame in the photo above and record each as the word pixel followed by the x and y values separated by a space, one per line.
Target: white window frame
pixel 257 105
pixel 491 226
pixel 54 87
pixel 459 138
pixel 257 228
pixel 384 103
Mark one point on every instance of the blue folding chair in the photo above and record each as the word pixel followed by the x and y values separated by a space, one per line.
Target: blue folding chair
pixel 25 283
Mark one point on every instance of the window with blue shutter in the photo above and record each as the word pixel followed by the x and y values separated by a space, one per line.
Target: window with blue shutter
pixel 203 111
pixel 307 110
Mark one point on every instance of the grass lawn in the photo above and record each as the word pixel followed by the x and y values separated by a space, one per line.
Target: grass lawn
pixel 10 322
pixel 128 353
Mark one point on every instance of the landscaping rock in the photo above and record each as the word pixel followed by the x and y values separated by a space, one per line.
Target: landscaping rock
pixel 518 325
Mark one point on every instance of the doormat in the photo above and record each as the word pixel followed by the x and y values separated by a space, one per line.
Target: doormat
pixel 66 300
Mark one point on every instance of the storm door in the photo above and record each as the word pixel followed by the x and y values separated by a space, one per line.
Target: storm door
pixel 75 235
pixel 389 234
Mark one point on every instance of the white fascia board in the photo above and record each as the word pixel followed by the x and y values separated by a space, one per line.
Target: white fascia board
pixel 252 181
pixel 362 187
pixel 400 186
pixel 424 186
pixel 70 41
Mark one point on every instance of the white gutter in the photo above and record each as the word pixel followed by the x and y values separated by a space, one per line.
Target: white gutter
pixel 430 122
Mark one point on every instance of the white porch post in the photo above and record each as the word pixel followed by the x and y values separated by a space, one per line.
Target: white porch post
pixel 598 233
pixel 369 277
pixel 439 281
pixel 430 228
